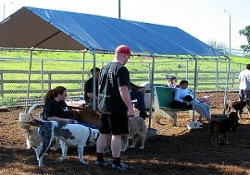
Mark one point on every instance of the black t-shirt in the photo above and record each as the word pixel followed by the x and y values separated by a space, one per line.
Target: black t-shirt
pixel 88 88
pixel 55 108
pixel 112 76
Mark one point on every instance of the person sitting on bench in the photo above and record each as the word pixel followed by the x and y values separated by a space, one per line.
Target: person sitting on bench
pixel 88 87
pixel 184 99
pixel 137 92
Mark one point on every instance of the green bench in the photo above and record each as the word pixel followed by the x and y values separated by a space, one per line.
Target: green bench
pixel 163 99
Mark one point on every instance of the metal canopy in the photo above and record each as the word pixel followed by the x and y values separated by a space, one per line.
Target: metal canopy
pixel 50 29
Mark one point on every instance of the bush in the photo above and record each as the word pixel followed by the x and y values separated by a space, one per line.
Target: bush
pixel 8 102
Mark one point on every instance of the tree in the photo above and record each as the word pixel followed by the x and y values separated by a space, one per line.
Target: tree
pixel 216 45
pixel 246 33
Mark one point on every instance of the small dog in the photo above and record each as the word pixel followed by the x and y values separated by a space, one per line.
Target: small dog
pixel 219 129
pixel 137 131
pixel 236 106
pixel 70 134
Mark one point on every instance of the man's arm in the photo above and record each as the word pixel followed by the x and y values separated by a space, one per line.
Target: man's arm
pixel 134 87
pixel 91 95
pixel 125 95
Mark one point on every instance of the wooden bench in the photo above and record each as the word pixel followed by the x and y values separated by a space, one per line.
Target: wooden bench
pixel 163 99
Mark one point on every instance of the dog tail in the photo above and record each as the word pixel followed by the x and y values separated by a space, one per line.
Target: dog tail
pixel 35 122
pixel 33 107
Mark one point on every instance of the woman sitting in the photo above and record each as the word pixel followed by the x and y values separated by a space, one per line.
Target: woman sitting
pixel 184 99
pixel 173 82
pixel 55 107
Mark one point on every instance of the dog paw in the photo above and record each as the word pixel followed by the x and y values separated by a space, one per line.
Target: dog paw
pixel 142 147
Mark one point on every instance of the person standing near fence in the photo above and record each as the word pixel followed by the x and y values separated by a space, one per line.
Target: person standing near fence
pixel 114 104
pixel 244 85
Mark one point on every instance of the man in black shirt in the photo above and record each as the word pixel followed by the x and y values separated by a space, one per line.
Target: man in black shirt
pixel 114 104
pixel 88 87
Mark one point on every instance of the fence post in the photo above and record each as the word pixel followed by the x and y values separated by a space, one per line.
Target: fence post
pixel 149 72
pixel 186 70
pixel 217 74
pixel 49 81
pixel 1 84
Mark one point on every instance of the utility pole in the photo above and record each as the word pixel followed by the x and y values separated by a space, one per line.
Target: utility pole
pixel 229 31
pixel 119 9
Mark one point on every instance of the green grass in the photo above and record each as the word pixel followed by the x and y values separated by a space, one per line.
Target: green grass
pixel 68 61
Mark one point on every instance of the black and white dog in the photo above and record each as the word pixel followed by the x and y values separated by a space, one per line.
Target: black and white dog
pixel 69 134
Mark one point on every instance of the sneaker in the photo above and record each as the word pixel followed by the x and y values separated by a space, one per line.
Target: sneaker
pixel 122 167
pixel 103 163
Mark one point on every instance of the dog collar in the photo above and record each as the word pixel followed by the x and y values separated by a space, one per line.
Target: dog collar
pixel 88 140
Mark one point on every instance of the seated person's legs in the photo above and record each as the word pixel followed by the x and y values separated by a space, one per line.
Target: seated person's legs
pixel 202 109
pixel 141 103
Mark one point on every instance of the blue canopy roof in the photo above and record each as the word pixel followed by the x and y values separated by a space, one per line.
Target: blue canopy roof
pixel 52 29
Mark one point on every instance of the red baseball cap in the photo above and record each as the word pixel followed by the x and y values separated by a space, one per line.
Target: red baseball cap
pixel 123 49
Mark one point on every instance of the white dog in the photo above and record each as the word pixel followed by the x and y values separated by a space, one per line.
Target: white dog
pixel 31 133
pixel 70 134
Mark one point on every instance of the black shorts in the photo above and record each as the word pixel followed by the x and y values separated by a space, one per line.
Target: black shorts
pixel 115 124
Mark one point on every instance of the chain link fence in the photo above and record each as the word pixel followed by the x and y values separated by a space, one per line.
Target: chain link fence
pixel 72 73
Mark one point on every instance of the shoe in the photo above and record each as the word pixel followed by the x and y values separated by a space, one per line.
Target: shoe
pixel 122 167
pixel 143 114
pixel 103 163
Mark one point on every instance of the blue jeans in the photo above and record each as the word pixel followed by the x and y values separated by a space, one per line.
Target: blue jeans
pixel 201 108
pixel 140 99
pixel 245 95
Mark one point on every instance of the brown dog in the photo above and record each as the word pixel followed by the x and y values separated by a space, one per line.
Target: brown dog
pixel 237 106
pixel 137 131
pixel 219 129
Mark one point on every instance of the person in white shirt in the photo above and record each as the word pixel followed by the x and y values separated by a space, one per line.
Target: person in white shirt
pixel 244 85
pixel 184 98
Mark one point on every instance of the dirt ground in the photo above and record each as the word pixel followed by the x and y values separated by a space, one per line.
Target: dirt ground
pixel 174 150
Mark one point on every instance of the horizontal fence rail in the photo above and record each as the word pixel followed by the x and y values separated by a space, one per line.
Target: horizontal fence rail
pixel 47 74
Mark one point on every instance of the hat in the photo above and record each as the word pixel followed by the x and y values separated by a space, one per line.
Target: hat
pixel 123 49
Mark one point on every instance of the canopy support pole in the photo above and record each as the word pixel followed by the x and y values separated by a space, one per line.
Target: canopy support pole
pixel 42 79
pixel 226 88
pixel 83 60
pixel 94 81
pixel 151 81
pixel 195 79
pixel 28 86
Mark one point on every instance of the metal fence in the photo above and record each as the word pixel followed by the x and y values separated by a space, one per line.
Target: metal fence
pixel 49 73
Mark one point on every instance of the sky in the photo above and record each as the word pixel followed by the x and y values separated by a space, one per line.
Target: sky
pixel 203 19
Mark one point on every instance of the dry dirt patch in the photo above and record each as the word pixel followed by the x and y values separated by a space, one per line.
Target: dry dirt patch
pixel 174 150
